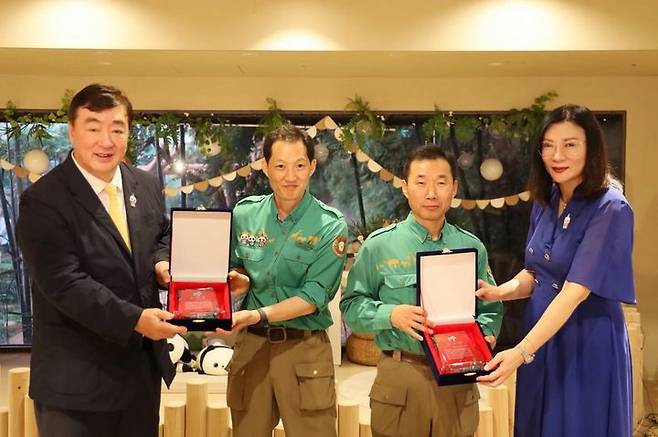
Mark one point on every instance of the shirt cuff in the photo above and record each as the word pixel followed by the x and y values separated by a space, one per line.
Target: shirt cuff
pixel 383 317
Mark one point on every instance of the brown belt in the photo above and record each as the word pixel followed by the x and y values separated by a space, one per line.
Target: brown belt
pixel 407 357
pixel 279 334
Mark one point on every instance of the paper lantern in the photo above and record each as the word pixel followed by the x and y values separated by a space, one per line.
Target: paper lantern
pixel 465 160
pixel 36 161
pixel 491 169
pixel 364 127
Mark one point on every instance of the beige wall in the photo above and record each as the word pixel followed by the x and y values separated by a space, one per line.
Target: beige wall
pixel 439 25
pixel 637 95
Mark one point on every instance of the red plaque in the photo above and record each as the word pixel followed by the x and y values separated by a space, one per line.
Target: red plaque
pixel 198 303
pixel 458 352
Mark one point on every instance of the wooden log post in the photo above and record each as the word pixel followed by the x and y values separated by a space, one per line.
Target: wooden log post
pixel 218 418
pixel 174 419
pixel 364 430
pixel 4 422
pixel 195 409
pixel 18 385
pixel 497 398
pixel 511 401
pixel 30 419
pixel 485 426
pixel 279 431
pixel 635 340
pixel 348 419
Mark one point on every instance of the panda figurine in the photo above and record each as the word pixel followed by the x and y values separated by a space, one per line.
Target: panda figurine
pixel 179 352
pixel 177 348
pixel 214 358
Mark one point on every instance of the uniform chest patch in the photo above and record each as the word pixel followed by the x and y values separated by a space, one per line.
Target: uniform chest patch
pixel 253 240
pixel 305 242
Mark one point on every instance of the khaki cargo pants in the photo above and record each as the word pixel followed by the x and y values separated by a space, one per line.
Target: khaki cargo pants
pixel 293 380
pixel 406 402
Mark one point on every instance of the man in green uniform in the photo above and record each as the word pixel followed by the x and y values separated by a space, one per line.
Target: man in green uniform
pixel 288 254
pixel 381 297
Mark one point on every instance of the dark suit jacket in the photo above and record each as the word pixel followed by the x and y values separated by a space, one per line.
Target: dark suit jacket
pixel 89 290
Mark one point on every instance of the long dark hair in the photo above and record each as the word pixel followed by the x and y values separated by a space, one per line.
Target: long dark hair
pixel 596 174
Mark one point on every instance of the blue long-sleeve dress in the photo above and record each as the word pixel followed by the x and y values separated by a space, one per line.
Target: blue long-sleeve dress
pixel 580 381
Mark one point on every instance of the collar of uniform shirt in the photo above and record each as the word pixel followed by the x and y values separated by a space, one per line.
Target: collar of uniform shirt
pixel 422 233
pixel 297 213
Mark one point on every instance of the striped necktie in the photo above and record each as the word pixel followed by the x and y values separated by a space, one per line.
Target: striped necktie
pixel 115 213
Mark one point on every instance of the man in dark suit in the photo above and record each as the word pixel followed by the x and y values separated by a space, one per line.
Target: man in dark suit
pixel 94 236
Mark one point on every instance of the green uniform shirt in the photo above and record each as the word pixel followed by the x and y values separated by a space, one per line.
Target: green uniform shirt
pixel 384 275
pixel 303 255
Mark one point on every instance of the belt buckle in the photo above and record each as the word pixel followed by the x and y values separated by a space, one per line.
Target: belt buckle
pixel 276 334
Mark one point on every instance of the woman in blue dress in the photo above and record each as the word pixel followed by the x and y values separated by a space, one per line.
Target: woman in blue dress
pixel 574 367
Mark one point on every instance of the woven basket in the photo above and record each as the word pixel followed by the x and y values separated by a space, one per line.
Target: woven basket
pixel 361 349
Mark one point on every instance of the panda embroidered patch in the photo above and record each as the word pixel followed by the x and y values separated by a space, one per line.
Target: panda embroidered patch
pixel 249 239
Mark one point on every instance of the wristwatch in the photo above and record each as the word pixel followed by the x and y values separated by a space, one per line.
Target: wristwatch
pixel 263 315
pixel 527 358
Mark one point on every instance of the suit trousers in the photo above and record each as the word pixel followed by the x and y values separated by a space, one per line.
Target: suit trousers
pixel 292 380
pixel 405 401
pixel 139 419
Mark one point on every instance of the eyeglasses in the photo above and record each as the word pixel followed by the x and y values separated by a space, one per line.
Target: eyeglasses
pixel 569 148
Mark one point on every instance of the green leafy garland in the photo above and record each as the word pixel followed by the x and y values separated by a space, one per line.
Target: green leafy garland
pixel 273 120
pixel 517 123
pixel 35 125
pixel 364 126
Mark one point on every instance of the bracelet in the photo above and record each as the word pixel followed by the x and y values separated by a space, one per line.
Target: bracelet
pixel 263 315
pixel 527 358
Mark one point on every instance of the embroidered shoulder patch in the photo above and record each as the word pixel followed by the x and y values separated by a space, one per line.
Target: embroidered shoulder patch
pixel 338 246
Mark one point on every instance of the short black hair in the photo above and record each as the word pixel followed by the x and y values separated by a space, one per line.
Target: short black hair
pixel 289 134
pixel 596 174
pixel 429 152
pixel 97 97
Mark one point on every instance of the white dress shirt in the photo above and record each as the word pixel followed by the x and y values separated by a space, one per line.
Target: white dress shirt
pixel 98 185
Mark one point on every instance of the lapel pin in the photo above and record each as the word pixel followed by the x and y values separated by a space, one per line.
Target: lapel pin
pixel 567 220
pixel 132 200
